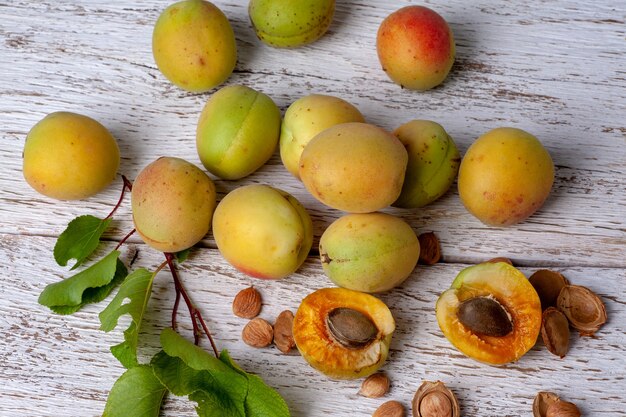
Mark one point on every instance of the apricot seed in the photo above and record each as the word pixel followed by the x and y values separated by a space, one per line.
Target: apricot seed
pixel 434 399
pixel 583 308
pixel 485 316
pixel 555 331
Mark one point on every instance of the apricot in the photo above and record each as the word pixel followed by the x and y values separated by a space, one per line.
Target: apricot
pixel 69 156
pixel 290 23
pixel 194 45
pixel 354 167
pixel 433 163
pixel 305 118
pixel 505 176
pixel 237 132
pixel 371 252
pixel 342 333
pixel 491 313
pixel 173 202
pixel 262 231
pixel 416 48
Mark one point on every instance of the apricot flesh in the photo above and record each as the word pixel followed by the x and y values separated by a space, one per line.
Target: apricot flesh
pixel 354 167
pixel 502 284
pixel 505 176
pixel 194 46
pixel 370 252
pixel 68 156
pixel 290 23
pixel 262 231
pixel 319 346
pixel 305 118
pixel 415 47
pixel 173 202
pixel 237 132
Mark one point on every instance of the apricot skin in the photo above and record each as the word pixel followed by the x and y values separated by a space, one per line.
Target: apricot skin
pixel 262 231
pixel 513 291
pixel 318 347
pixel 505 176
pixel 173 202
pixel 305 118
pixel 194 46
pixel 354 167
pixel 415 47
pixel 237 132
pixel 68 156
pixel 371 252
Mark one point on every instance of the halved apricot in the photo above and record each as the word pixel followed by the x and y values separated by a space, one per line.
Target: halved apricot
pixel 342 333
pixel 491 313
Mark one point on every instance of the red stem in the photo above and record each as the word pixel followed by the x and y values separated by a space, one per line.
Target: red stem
pixel 197 321
pixel 127 184
pixel 125 238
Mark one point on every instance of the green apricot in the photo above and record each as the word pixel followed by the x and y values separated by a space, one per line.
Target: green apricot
pixel 173 202
pixel 194 45
pixel 237 132
pixel 262 231
pixel 305 118
pixel 69 156
pixel 290 23
pixel 369 252
pixel 433 163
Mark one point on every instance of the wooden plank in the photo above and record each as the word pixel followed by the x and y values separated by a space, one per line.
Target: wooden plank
pixel 60 365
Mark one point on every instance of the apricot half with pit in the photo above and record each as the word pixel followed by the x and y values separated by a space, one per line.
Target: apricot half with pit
pixel 342 333
pixel 491 313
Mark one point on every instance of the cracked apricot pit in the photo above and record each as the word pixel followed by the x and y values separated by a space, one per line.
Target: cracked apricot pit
pixel 491 313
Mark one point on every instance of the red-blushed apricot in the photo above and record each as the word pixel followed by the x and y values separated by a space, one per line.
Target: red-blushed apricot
pixel 416 48
pixel 505 176
pixel 69 156
pixel 342 333
pixel 354 167
pixel 173 202
pixel 491 313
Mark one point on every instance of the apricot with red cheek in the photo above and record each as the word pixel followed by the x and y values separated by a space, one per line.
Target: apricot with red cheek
pixel 416 48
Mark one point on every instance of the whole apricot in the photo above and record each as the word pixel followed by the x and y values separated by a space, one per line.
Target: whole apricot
pixel 194 45
pixel 370 252
pixel 290 23
pixel 416 48
pixel 433 163
pixel 69 156
pixel 237 132
pixel 505 176
pixel 342 333
pixel 354 167
pixel 305 118
pixel 491 313
pixel 262 231
pixel 173 202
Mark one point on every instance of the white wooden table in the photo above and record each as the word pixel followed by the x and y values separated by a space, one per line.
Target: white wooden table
pixel 556 69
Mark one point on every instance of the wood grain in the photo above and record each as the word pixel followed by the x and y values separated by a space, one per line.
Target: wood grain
pixel 553 68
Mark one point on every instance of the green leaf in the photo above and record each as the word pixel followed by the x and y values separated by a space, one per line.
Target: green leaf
pixel 79 239
pixel 182 255
pixel 219 386
pixel 137 393
pixel 88 286
pixel 137 288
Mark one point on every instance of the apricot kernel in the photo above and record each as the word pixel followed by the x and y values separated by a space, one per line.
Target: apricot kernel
pixel 583 308
pixel 390 409
pixel 351 328
pixel 247 303
pixel 563 409
pixel 434 399
pixel 555 331
pixel 430 249
pixel 375 386
pixel 542 401
pixel 548 285
pixel 258 333
pixel 485 316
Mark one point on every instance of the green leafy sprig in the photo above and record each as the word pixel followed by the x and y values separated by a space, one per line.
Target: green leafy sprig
pixel 218 386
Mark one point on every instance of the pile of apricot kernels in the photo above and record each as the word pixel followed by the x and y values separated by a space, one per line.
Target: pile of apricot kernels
pixel 305 118
pixel 237 132
pixel 173 202
pixel 262 231
pixel 491 313
pixel 354 167
pixel 505 176
pixel 69 156
pixel 342 333
pixel 369 252
pixel 433 163
pixel 290 23
pixel 194 45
